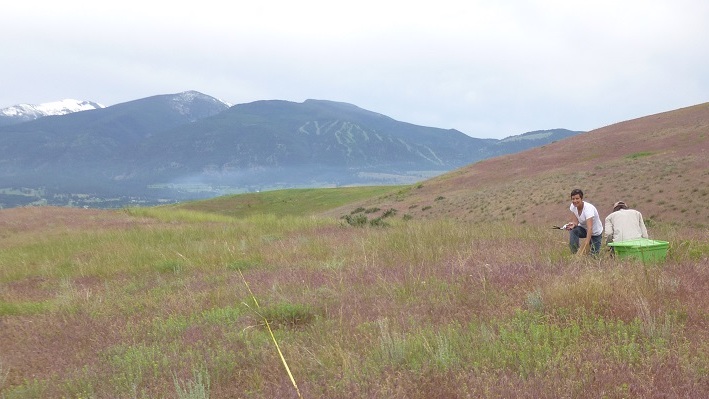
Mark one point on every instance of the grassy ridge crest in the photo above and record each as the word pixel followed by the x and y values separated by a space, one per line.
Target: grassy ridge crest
pixel 295 202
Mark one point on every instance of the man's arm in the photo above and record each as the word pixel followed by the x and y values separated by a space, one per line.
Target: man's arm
pixel 609 229
pixel 643 229
pixel 573 222
pixel 587 241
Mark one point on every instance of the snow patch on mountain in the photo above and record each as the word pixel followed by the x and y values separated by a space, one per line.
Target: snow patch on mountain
pixel 67 106
pixel 185 103
pixel 27 112
pixel 191 95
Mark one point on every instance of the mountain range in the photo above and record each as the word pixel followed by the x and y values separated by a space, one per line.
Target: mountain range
pixel 190 145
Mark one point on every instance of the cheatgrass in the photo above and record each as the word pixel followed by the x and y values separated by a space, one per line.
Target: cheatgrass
pixel 413 308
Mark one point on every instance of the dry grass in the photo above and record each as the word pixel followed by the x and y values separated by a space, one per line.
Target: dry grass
pixel 130 306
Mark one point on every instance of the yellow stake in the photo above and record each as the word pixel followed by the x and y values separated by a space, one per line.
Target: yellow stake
pixel 273 337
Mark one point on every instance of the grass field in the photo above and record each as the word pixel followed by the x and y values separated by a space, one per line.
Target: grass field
pixel 300 202
pixel 180 302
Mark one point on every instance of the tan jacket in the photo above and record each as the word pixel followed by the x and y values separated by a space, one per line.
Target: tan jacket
pixel 625 224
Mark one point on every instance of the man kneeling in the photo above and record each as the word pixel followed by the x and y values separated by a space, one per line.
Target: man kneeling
pixel 585 223
pixel 624 224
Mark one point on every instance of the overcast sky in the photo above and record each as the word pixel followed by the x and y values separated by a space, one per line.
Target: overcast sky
pixel 489 68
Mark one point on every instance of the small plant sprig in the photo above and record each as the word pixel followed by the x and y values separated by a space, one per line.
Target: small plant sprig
pixel 197 388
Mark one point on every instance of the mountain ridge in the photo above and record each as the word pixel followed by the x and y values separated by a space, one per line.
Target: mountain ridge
pixel 190 145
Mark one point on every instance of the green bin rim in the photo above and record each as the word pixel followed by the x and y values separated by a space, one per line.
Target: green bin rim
pixel 642 242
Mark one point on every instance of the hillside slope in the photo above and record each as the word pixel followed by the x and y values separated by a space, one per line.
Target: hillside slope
pixel 658 164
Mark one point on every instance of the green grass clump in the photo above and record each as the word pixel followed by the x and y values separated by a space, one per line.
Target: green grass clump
pixel 288 315
pixel 171 266
pixel 245 264
pixel 22 308
pixel 640 154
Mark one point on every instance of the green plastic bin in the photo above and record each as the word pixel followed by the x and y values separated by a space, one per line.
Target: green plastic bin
pixel 642 249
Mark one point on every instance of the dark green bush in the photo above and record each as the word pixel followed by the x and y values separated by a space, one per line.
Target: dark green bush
pixel 378 222
pixel 389 212
pixel 356 220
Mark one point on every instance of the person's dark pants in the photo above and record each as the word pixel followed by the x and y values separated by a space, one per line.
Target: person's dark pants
pixel 579 232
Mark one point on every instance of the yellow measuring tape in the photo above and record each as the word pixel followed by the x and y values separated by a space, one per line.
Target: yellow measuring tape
pixel 273 337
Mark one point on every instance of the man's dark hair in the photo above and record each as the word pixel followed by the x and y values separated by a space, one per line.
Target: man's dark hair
pixel 577 191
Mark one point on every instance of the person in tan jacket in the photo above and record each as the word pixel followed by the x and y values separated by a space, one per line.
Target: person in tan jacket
pixel 624 224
